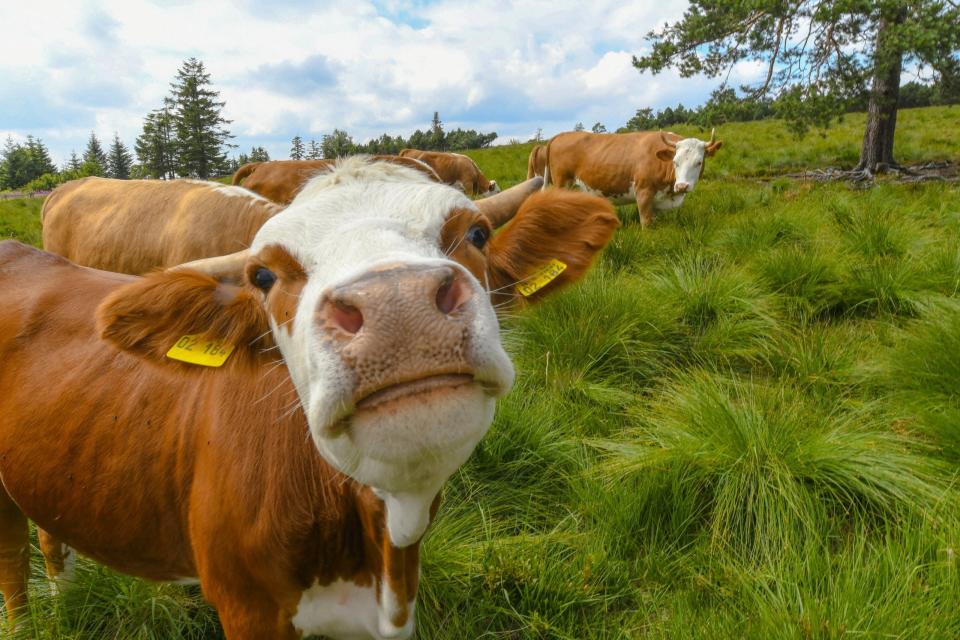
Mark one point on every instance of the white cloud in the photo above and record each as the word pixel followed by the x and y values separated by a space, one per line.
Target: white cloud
pixel 300 68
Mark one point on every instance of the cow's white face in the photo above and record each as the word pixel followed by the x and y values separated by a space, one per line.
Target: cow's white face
pixel 393 347
pixel 688 164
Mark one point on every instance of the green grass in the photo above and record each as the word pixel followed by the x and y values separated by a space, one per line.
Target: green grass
pixel 744 423
pixel 20 219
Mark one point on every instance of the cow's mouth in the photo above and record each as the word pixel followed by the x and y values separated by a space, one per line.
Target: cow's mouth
pixel 402 390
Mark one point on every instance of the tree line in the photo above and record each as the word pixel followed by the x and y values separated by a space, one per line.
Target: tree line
pixel 29 166
pixel 339 143
pixel 724 105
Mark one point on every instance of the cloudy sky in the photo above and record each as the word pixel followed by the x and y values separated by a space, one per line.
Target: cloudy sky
pixel 288 67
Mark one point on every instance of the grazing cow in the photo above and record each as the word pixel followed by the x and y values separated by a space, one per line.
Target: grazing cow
pixel 280 180
pixel 655 169
pixel 537 161
pixel 134 226
pixel 456 169
pixel 361 363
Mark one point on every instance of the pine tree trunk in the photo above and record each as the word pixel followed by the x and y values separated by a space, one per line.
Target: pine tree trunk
pixel 876 154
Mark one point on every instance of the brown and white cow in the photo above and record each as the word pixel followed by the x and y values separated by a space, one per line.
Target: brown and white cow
pixel 654 169
pixel 537 161
pixel 296 480
pixel 456 169
pixel 135 226
pixel 281 180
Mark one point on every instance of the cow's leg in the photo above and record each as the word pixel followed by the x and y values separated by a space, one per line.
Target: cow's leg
pixel 645 207
pixel 58 557
pixel 14 555
pixel 248 617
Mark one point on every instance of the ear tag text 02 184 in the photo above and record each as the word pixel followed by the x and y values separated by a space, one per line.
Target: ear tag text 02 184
pixel 206 353
pixel 541 277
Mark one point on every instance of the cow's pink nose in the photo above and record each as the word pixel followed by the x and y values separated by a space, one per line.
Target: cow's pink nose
pixel 400 323
pixel 681 187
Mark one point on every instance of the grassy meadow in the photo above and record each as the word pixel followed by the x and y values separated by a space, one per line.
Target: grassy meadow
pixel 744 423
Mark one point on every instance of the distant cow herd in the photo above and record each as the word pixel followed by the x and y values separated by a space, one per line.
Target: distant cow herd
pixel 263 386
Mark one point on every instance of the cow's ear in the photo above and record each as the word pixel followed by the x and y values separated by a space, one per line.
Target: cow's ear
pixel 551 242
pixel 666 155
pixel 152 314
pixel 713 147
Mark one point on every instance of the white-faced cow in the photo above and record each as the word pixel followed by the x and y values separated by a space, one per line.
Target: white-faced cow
pixel 654 169
pixel 296 480
pixel 456 169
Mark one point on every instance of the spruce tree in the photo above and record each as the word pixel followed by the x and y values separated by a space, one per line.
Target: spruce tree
pixel 94 156
pixel 200 128
pixel 156 147
pixel 259 154
pixel 41 162
pixel 314 151
pixel 438 141
pixel 119 160
pixel 73 164
pixel 296 150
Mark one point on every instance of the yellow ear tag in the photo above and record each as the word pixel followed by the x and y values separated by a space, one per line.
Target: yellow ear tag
pixel 541 277
pixel 206 353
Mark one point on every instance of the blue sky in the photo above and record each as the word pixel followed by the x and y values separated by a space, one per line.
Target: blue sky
pixel 290 67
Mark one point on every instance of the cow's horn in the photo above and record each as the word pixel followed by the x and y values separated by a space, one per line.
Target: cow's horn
pixel 713 135
pixel 228 268
pixel 672 145
pixel 500 208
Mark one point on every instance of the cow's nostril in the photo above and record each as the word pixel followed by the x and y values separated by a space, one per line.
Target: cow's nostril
pixel 346 316
pixel 452 295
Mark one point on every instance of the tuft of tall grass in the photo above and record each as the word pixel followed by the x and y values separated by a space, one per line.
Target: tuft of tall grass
pixel 722 314
pixel 761 468
pixel 103 604
pixel 922 370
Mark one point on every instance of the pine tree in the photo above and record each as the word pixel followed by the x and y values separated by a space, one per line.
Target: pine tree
pixel 73 164
pixel 296 150
pixel 438 141
pixel 578 126
pixel 119 161
pixel 156 147
pixel 200 133
pixel 40 157
pixel 259 154
pixel 94 155
pixel 598 128
pixel 314 151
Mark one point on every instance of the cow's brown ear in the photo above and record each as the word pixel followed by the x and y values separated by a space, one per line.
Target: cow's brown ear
pixel 713 147
pixel 551 242
pixel 152 314
pixel 666 155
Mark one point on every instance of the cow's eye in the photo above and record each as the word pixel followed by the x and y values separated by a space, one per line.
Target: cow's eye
pixel 263 279
pixel 477 236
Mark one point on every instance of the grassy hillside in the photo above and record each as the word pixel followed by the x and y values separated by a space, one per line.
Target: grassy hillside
pixel 744 423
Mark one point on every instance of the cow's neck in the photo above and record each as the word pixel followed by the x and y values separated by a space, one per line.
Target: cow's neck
pixel 349 561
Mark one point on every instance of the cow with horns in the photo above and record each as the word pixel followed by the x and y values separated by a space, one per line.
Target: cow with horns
pixel 275 423
pixel 656 170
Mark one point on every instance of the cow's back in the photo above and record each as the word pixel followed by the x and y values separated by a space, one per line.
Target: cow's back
pixel 135 226
pixel 279 181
